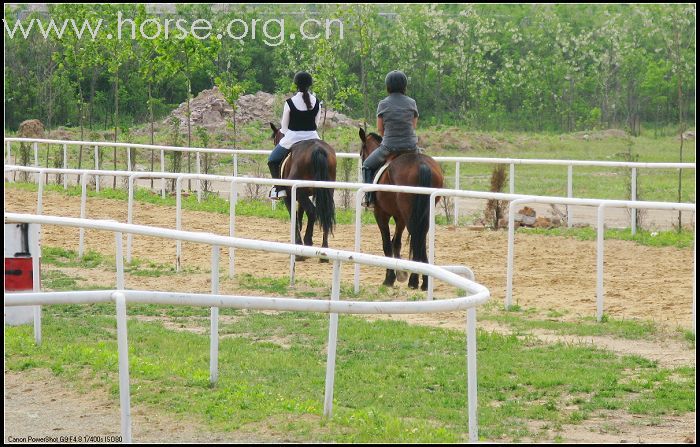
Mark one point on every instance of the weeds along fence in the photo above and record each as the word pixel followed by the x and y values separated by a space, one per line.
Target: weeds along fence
pixel 475 295
pixel 235 153
pixel 360 189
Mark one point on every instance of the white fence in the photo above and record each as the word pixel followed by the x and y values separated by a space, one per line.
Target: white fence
pixel 515 199
pixel 477 295
pixel 512 162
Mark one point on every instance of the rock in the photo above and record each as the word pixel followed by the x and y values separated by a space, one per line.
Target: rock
pixel 543 222
pixel 526 216
pixel 527 211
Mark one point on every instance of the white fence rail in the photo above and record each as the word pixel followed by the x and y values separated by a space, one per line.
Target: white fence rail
pixel 477 295
pixel 512 162
pixel 359 190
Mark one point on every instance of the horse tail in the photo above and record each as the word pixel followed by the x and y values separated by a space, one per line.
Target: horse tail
pixel 418 223
pixel 323 197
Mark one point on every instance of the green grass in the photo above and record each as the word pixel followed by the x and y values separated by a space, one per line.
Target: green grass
pixel 394 382
pixel 586 326
pixel 671 238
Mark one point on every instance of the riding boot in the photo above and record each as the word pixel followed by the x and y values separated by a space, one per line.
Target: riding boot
pixel 275 173
pixel 368 175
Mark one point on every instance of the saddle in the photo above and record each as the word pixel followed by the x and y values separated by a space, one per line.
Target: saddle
pixel 391 158
pixel 289 154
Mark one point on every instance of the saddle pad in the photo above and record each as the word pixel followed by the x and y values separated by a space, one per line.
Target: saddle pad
pixel 284 162
pixel 380 172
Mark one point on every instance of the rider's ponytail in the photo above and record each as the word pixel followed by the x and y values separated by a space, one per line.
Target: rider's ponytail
pixel 307 99
pixel 303 81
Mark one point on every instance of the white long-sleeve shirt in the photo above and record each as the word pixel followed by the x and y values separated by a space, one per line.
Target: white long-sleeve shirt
pixel 294 136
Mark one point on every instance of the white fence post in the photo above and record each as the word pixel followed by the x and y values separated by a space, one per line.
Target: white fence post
pixel 65 166
pixel 512 178
pixel 214 332
pixel 471 376
pixel 40 193
pixel 199 181
pixel 332 344
pixel 599 262
pixel 511 251
pixel 233 200
pixel 83 206
pixel 130 216
pixel 292 231
pixel 178 222
pixel 633 213
pixel 358 230
pixel 570 193
pixel 36 160
pixel 162 169
pixel 97 167
pixel 456 210
pixel 123 347
pixel 431 242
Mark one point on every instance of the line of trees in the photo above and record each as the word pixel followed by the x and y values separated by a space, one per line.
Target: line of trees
pixel 506 67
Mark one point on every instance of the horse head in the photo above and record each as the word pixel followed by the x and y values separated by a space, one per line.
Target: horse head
pixel 370 142
pixel 276 134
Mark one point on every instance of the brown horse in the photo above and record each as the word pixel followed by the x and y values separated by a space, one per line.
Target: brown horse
pixel 408 210
pixel 310 160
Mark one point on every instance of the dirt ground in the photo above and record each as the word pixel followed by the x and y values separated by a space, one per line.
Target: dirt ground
pixel 555 274
pixel 550 273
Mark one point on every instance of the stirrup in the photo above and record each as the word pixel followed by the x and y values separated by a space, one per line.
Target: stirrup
pixel 367 202
pixel 277 194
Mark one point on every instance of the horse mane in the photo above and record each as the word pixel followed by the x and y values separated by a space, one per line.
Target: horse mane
pixel 376 136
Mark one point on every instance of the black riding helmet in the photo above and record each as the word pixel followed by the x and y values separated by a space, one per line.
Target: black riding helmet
pixel 303 80
pixel 396 82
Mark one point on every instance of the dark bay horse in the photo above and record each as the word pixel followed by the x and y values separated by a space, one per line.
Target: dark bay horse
pixel 408 210
pixel 310 160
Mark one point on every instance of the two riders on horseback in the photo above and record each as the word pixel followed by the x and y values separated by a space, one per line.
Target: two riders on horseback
pixel 397 117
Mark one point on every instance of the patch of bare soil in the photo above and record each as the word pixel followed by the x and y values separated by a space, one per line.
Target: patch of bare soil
pixel 617 427
pixel 641 282
pixel 39 405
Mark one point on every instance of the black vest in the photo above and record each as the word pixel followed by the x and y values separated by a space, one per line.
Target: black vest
pixel 302 119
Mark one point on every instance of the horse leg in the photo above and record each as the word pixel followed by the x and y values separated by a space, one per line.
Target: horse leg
pixel 324 244
pixel 300 222
pixel 306 205
pixel 413 279
pixel 424 258
pixel 383 223
pixel 401 275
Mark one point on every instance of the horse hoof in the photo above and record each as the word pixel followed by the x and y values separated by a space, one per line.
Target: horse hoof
pixel 323 261
pixel 301 258
pixel 412 286
pixel 424 287
pixel 401 276
pixel 388 283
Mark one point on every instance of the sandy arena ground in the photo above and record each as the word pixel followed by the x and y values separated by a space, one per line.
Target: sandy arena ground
pixel 550 273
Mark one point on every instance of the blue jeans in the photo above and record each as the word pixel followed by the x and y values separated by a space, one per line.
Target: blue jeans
pixel 275 160
pixel 375 161
pixel 278 154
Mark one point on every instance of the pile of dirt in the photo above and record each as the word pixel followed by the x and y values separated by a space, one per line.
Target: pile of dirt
pixel 31 129
pixel 211 110
pixel 601 134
